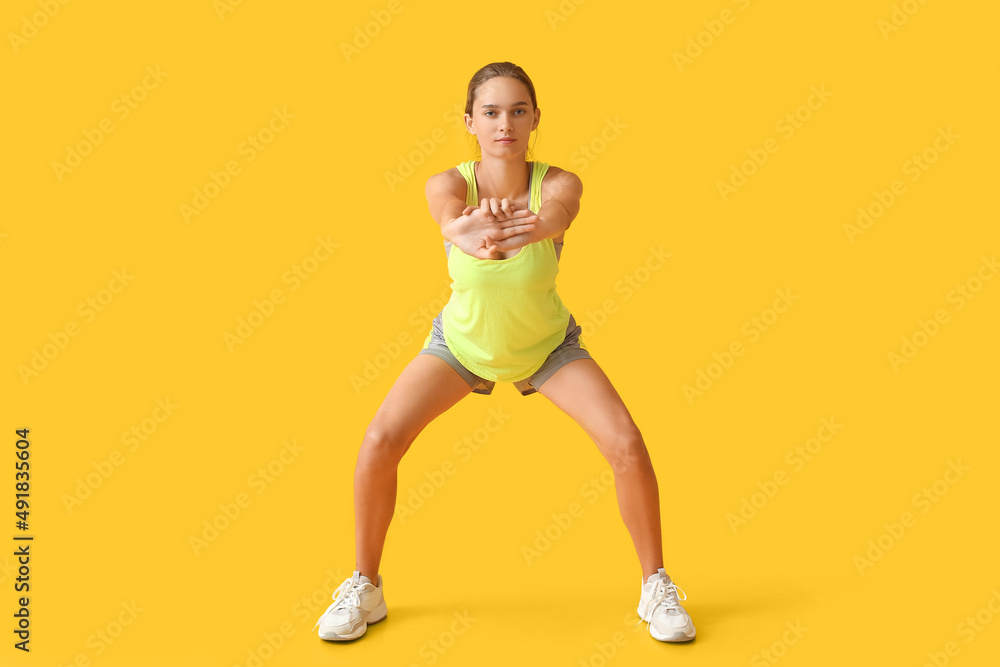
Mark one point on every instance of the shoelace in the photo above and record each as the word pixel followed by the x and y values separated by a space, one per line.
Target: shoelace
pixel 343 597
pixel 665 594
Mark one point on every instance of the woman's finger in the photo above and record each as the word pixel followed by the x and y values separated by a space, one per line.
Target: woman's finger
pixel 484 206
pixel 513 230
pixel 516 241
pixel 519 220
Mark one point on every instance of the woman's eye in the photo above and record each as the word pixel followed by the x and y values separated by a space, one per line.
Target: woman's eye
pixel 519 112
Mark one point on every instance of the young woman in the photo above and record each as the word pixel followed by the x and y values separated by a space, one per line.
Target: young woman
pixel 504 322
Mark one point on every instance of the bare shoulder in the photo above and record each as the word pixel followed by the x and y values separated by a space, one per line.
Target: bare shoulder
pixel 442 189
pixel 561 184
pixel 566 188
pixel 450 181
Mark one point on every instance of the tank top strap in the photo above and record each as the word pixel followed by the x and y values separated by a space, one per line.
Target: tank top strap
pixel 537 174
pixel 538 170
pixel 467 169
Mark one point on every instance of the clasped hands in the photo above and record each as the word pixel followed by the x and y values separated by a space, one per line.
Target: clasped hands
pixel 493 227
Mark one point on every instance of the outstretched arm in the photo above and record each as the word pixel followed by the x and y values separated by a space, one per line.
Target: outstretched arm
pixel 474 230
pixel 561 206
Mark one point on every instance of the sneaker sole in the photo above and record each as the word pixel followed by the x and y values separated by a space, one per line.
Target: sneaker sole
pixel 378 613
pixel 679 636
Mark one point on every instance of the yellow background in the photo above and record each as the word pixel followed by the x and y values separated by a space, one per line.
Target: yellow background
pixel 654 183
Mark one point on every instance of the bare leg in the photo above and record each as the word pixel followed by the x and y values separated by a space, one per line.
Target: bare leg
pixel 424 389
pixel 584 392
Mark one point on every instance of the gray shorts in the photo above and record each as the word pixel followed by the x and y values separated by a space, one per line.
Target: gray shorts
pixel 569 350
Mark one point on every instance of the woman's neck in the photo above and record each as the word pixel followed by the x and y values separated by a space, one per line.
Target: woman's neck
pixel 503 178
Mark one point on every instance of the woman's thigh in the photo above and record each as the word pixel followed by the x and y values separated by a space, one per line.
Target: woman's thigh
pixel 582 390
pixel 427 387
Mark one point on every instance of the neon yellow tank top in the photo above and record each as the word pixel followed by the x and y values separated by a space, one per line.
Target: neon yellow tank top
pixel 504 316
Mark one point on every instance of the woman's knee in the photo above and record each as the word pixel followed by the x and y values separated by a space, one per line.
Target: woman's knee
pixel 381 445
pixel 625 449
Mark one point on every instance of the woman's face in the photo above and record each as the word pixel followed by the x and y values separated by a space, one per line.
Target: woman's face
pixel 502 109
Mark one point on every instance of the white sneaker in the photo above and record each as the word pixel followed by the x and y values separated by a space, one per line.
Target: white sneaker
pixel 356 603
pixel 660 607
